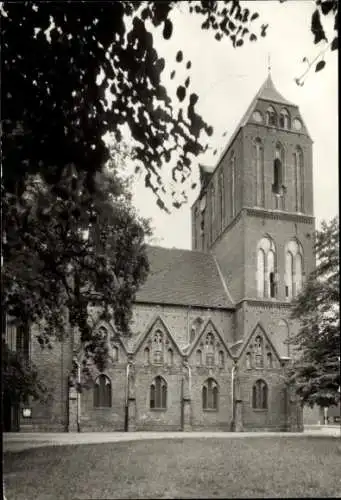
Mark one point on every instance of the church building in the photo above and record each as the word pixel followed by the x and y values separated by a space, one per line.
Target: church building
pixel 211 325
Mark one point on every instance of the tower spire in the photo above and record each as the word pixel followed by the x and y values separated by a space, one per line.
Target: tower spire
pixel 269 64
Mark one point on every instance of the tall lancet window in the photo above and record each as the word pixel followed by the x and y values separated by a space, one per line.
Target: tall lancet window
pixel 271 117
pixel 266 269
pixel 299 179
pixel 261 273
pixel 293 269
pixel 212 207
pixel 284 119
pixel 259 158
pixel 233 185
pixel 222 199
pixel 278 174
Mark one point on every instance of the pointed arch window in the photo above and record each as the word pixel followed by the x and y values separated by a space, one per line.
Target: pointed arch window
pixel 259 158
pixel 147 356
pixel 293 269
pixel 248 361
pixel 158 394
pixel 170 357
pixel 221 359
pixel 259 352
pixel 271 117
pixel 103 333
pixel 209 349
pixel 260 395
pixel 284 119
pixel 222 199
pixel 266 269
pixel 115 354
pixel 269 360
pixel 158 347
pixel 299 179
pixel 278 169
pixel 102 392
pixel 210 395
pixel 233 185
pixel 261 273
pixel 199 357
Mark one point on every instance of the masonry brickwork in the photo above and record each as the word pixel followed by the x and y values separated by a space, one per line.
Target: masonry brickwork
pixel 206 334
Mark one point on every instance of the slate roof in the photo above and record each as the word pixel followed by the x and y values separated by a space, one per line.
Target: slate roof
pixel 183 277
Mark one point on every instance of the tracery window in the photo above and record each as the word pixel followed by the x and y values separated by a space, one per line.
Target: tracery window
pixel 284 119
pixel 278 174
pixel 102 392
pixel 271 117
pixel 259 159
pixel 222 199
pixel 210 395
pixel 293 269
pixel 115 352
pixel 209 349
pixel 170 357
pixel 269 360
pixel 233 185
pixel 266 268
pixel 147 355
pixel 158 347
pixel 158 394
pixel 199 357
pixel 260 395
pixel 299 179
pixel 259 352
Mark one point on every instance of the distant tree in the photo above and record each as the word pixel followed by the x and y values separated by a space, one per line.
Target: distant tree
pixel 316 371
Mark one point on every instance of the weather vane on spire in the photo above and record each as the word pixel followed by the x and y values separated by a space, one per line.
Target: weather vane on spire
pixel 269 64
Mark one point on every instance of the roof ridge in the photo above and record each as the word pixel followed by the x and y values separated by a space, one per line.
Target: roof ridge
pixel 180 249
pixel 223 280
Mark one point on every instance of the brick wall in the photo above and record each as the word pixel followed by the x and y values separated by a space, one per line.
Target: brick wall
pixel 274 418
pixel 53 368
pixel 289 140
pixel 229 251
pixel 281 230
pixel 179 319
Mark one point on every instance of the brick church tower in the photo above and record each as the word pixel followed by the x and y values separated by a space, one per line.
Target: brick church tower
pixel 255 215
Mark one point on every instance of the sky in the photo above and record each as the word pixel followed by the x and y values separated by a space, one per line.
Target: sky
pixel 226 80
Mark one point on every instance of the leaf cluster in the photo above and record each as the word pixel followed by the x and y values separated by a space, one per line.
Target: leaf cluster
pixel 316 371
pixel 73 72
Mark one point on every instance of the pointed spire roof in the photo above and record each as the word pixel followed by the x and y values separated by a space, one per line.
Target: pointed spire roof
pixel 269 92
pixel 266 92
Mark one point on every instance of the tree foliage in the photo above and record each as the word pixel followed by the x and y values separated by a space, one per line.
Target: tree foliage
pixel 323 9
pixel 316 372
pixel 20 379
pixel 55 107
pixel 67 249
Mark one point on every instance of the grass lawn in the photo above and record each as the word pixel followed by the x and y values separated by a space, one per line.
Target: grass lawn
pixel 180 468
